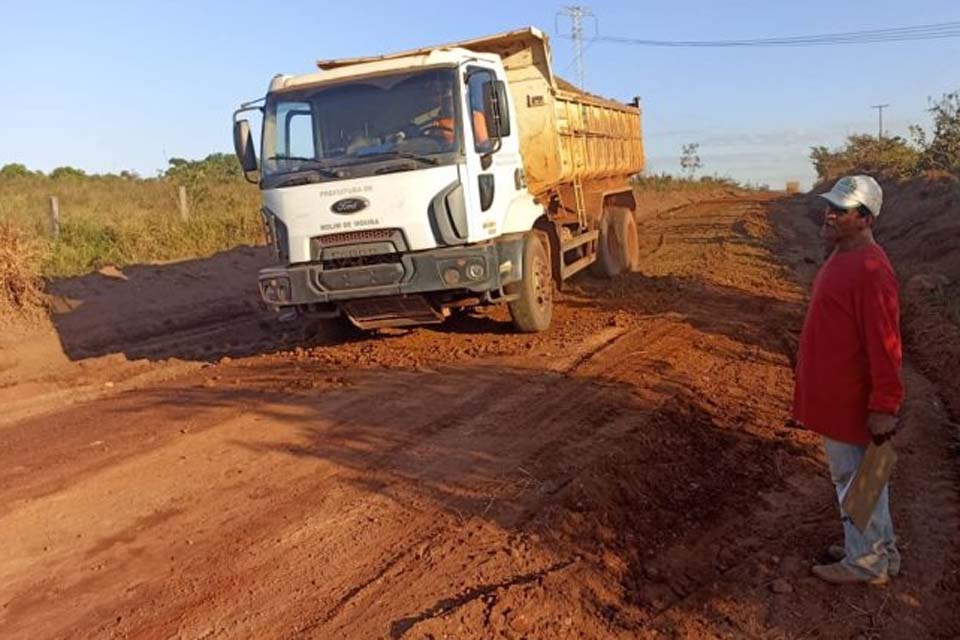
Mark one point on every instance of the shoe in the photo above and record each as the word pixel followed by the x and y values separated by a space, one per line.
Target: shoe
pixel 839 573
pixel 836 552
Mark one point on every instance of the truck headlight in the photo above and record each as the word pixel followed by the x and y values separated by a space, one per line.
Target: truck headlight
pixel 457 270
pixel 451 276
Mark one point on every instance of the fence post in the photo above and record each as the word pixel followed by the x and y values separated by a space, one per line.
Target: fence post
pixel 184 205
pixel 53 221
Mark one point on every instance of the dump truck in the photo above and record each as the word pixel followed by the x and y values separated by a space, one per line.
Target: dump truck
pixel 400 188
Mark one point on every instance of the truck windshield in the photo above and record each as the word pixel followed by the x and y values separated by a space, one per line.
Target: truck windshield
pixel 356 126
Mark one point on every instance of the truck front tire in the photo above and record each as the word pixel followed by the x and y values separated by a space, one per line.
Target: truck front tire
pixel 619 246
pixel 533 309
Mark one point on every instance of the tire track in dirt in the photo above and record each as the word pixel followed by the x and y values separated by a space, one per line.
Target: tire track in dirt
pixel 216 431
pixel 509 404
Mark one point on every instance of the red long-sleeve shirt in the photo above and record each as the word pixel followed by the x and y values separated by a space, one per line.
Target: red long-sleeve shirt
pixel 850 352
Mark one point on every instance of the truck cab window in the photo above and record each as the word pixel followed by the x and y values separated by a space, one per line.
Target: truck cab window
pixel 298 139
pixel 478 120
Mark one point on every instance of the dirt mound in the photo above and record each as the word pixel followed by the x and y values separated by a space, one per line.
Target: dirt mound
pixel 920 229
pixel 920 225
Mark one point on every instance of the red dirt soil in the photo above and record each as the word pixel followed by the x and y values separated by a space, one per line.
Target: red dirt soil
pixel 624 475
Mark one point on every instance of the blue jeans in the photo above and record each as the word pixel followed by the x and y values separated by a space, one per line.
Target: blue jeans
pixel 873 552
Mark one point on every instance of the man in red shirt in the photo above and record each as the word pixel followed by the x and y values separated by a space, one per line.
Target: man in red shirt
pixel 848 383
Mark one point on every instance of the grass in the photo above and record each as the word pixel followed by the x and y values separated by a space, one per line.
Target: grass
pixel 120 221
pixel 667 182
pixel 19 284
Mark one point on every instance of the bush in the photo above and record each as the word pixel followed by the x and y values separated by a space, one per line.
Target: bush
pixel 942 153
pixel 667 182
pixel 15 170
pixel 882 158
pixel 67 172
pixel 198 175
pixel 19 284
pixel 216 166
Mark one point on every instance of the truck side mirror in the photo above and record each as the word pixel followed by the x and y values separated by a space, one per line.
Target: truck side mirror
pixel 495 109
pixel 243 146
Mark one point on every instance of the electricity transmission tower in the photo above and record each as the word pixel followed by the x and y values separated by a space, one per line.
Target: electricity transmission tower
pixel 577 13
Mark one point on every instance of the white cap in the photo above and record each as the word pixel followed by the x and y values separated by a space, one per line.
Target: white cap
pixel 852 191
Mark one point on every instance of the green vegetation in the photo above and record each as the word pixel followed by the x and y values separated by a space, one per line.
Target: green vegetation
pixel 125 219
pixel 896 157
pixel 942 152
pixel 884 157
pixel 667 182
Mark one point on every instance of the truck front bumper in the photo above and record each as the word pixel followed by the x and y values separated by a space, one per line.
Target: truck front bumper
pixel 477 268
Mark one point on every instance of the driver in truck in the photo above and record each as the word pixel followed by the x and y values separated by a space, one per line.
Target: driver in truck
pixel 440 123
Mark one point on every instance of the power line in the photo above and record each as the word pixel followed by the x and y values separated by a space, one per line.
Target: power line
pixel 900 34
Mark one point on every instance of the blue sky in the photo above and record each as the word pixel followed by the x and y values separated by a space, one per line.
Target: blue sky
pixel 109 86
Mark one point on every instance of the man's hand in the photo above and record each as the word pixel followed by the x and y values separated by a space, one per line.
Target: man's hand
pixel 882 426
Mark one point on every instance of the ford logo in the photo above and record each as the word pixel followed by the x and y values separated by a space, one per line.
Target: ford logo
pixel 349 205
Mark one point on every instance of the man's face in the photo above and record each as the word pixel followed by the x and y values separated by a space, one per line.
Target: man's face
pixel 840 224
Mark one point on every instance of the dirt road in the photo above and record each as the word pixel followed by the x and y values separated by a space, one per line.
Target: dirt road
pixel 625 475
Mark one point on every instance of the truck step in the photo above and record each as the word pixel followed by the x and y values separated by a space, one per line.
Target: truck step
pixel 397 311
pixel 585 261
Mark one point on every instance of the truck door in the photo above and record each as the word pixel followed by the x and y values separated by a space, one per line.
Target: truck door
pixel 490 180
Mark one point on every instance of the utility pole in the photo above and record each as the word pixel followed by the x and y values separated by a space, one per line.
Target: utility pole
pixel 880 108
pixel 577 13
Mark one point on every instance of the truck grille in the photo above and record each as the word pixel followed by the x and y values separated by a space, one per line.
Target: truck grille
pixel 334 247
pixel 354 237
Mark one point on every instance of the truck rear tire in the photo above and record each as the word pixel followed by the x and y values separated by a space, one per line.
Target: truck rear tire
pixel 533 310
pixel 619 246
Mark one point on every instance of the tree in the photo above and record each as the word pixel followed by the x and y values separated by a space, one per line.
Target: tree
pixel 942 152
pixel 67 172
pixel 690 158
pixel 217 166
pixel 14 170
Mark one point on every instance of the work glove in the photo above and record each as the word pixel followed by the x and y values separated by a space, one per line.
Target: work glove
pixel 882 426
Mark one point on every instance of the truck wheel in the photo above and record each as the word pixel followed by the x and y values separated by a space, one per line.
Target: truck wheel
pixel 619 246
pixel 533 310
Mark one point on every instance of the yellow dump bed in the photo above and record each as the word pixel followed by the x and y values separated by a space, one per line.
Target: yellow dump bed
pixel 565 134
